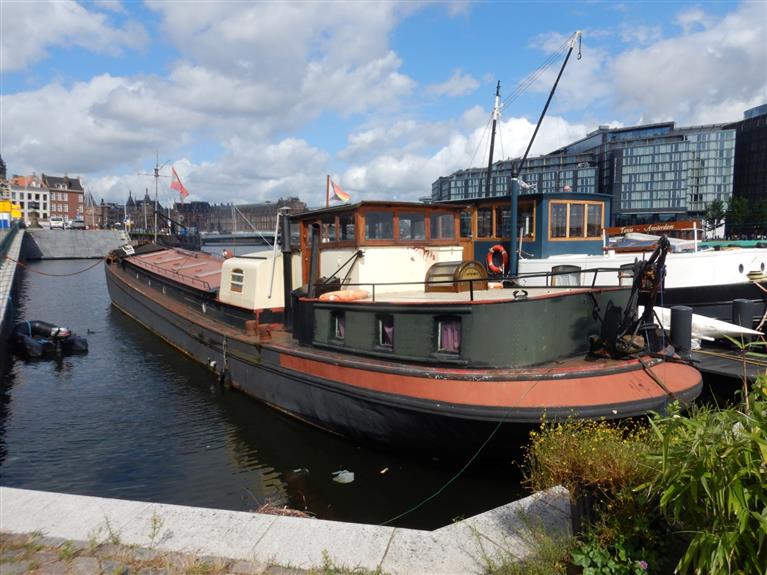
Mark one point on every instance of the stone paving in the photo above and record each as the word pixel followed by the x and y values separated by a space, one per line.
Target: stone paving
pixel 37 555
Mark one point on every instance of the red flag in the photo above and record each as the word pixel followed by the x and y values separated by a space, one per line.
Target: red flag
pixel 339 193
pixel 175 184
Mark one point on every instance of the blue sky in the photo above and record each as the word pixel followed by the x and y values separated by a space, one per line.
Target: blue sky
pixel 256 101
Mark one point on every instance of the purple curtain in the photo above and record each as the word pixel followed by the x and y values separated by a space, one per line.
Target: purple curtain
pixel 340 326
pixel 450 335
pixel 387 336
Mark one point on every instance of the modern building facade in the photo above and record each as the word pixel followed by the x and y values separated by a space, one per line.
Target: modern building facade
pixel 750 178
pixel 656 172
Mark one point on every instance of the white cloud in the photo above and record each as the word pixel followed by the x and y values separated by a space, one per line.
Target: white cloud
pixel 459 84
pixel 693 76
pixel 29 29
pixel 640 34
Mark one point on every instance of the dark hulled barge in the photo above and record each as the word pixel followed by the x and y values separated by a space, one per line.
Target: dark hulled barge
pixel 437 359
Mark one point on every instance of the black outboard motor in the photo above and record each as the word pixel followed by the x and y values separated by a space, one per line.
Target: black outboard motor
pixel 36 339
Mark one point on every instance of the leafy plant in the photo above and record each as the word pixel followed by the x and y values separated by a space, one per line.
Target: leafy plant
pixel 711 480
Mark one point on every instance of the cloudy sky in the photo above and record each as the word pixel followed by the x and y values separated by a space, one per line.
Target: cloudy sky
pixel 256 101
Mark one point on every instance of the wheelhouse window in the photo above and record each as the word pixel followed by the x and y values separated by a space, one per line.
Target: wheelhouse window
pixel 466 224
pixel 237 280
pixel 594 221
pixel 449 335
pixel 346 227
pixel 339 324
pixel 558 221
pixel 442 226
pixel 502 222
pixel 526 220
pixel 329 229
pixel 412 226
pixel 386 331
pixel 575 220
pixel 484 222
pixel 379 226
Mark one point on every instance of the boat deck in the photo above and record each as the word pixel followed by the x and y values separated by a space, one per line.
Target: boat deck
pixel 198 270
pixel 488 295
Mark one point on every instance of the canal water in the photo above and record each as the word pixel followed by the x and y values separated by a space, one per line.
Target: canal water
pixel 135 419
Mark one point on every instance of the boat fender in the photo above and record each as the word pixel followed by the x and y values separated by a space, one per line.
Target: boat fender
pixel 225 378
pixel 491 265
pixel 519 294
pixel 344 295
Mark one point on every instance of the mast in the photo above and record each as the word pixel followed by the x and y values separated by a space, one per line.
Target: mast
pixel 496 115
pixel 515 172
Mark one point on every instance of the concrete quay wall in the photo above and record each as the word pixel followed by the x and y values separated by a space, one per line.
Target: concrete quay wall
pixel 268 540
pixel 10 252
pixel 45 244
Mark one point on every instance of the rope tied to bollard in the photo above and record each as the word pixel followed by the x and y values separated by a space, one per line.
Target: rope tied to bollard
pixel 70 274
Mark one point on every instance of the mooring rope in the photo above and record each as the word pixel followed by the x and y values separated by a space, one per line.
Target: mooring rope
pixel 26 267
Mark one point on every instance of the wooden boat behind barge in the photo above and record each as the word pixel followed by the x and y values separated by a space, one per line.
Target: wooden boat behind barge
pixel 420 365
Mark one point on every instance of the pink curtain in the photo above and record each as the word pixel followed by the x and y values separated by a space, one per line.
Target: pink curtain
pixel 450 335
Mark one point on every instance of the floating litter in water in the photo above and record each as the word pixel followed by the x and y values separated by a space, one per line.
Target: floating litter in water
pixel 343 476
pixel 384 470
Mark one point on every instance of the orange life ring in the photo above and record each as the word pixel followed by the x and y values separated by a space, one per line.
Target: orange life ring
pixel 497 249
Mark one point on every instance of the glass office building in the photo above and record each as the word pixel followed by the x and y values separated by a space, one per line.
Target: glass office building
pixel 656 172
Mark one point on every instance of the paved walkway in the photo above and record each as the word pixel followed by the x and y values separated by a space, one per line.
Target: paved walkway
pixel 268 541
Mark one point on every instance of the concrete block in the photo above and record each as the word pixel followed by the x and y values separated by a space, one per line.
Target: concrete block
pixel 303 543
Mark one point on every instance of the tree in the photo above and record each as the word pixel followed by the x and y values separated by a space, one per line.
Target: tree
pixel 738 215
pixel 714 215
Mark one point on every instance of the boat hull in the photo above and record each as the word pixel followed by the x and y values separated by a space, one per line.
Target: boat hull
pixel 420 408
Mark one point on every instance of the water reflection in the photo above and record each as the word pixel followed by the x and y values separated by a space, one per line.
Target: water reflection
pixel 136 419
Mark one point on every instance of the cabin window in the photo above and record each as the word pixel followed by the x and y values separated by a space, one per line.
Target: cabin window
pixel 594 220
pixel 386 330
pixel 329 229
pixel 484 222
pixel 379 226
pixel 412 226
pixel 339 324
pixel 442 226
pixel 238 279
pixel 502 222
pixel 346 227
pixel 576 220
pixel 558 223
pixel 526 220
pixel 466 224
pixel 449 335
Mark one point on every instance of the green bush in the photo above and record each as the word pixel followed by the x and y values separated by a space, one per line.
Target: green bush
pixel 710 479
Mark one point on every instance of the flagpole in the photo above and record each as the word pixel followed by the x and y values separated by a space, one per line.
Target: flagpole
pixel 327 191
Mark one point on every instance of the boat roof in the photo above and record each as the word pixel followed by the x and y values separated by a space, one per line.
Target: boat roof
pixel 312 214
pixel 198 270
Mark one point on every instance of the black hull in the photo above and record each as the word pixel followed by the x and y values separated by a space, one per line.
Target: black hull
pixel 715 301
pixel 378 402
pixel 255 370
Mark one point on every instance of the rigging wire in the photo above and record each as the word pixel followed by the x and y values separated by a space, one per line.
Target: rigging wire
pixel 482 139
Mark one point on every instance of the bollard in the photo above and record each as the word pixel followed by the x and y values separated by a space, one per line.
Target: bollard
pixel 681 329
pixel 743 313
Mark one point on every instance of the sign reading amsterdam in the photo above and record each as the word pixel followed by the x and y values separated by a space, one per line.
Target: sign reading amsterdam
pixel 659 228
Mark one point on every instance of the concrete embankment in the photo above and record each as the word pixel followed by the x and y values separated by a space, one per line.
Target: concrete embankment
pixel 45 244
pixel 268 540
pixel 10 252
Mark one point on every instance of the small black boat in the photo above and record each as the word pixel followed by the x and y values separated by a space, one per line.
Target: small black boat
pixel 38 339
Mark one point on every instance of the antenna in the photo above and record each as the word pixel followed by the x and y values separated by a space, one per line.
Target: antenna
pixel 157 176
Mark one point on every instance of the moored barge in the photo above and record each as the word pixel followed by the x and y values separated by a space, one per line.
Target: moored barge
pixel 416 349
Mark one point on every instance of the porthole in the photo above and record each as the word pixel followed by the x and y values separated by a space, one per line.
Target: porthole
pixel 762 266
pixel 163 290
pixel 149 283
pixel 204 310
pixel 740 268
